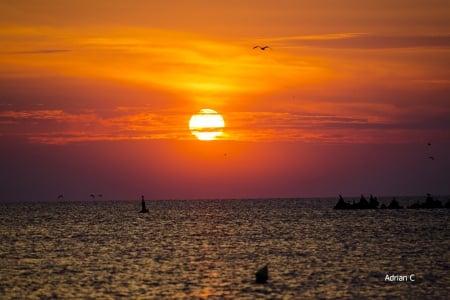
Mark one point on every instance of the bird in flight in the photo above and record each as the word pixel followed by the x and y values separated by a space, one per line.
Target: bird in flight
pixel 429 144
pixel 431 157
pixel 262 48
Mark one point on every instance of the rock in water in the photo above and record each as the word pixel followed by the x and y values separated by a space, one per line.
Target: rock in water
pixel 262 275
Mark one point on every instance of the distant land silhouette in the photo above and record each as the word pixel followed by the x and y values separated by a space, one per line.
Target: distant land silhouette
pixel 373 204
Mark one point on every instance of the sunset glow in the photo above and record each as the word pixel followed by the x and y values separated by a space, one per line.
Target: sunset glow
pixel 348 74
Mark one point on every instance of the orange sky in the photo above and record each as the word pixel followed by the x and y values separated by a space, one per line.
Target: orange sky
pixel 337 73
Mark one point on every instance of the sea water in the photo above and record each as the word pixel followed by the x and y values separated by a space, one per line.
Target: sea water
pixel 212 249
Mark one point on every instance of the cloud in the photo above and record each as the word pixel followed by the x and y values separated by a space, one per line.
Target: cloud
pixel 33 114
pixel 332 128
pixel 363 41
pixel 194 66
pixel 338 94
pixel 316 37
pixel 37 51
pixel 60 127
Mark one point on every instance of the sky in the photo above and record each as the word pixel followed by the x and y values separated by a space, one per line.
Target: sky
pixel 96 97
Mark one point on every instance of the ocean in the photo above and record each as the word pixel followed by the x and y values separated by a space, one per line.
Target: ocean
pixel 211 249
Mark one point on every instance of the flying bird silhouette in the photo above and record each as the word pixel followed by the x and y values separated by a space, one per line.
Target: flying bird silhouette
pixel 262 47
pixel 429 144
pixel 431 157
pixel 60 197
pixel 92 196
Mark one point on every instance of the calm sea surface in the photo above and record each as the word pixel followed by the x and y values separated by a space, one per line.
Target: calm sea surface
pixel 212 248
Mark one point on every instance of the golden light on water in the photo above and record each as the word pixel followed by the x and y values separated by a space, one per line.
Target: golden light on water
pixel 206 125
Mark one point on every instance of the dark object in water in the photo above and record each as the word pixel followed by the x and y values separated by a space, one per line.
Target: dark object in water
pixel 429 203
pixel 362 204
pixel 394 204
pixel 447 205
pixel 144 209
pixel 373 202
pixel 262 275
pixel 342 204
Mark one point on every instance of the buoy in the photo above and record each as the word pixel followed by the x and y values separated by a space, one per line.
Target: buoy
pixel 262 275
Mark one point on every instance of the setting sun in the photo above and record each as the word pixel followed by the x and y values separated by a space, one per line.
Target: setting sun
pixel 206 125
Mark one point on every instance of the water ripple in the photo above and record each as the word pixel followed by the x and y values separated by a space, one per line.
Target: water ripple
pixel 211 249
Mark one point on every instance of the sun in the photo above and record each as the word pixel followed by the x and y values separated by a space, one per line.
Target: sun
pixel 206 125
